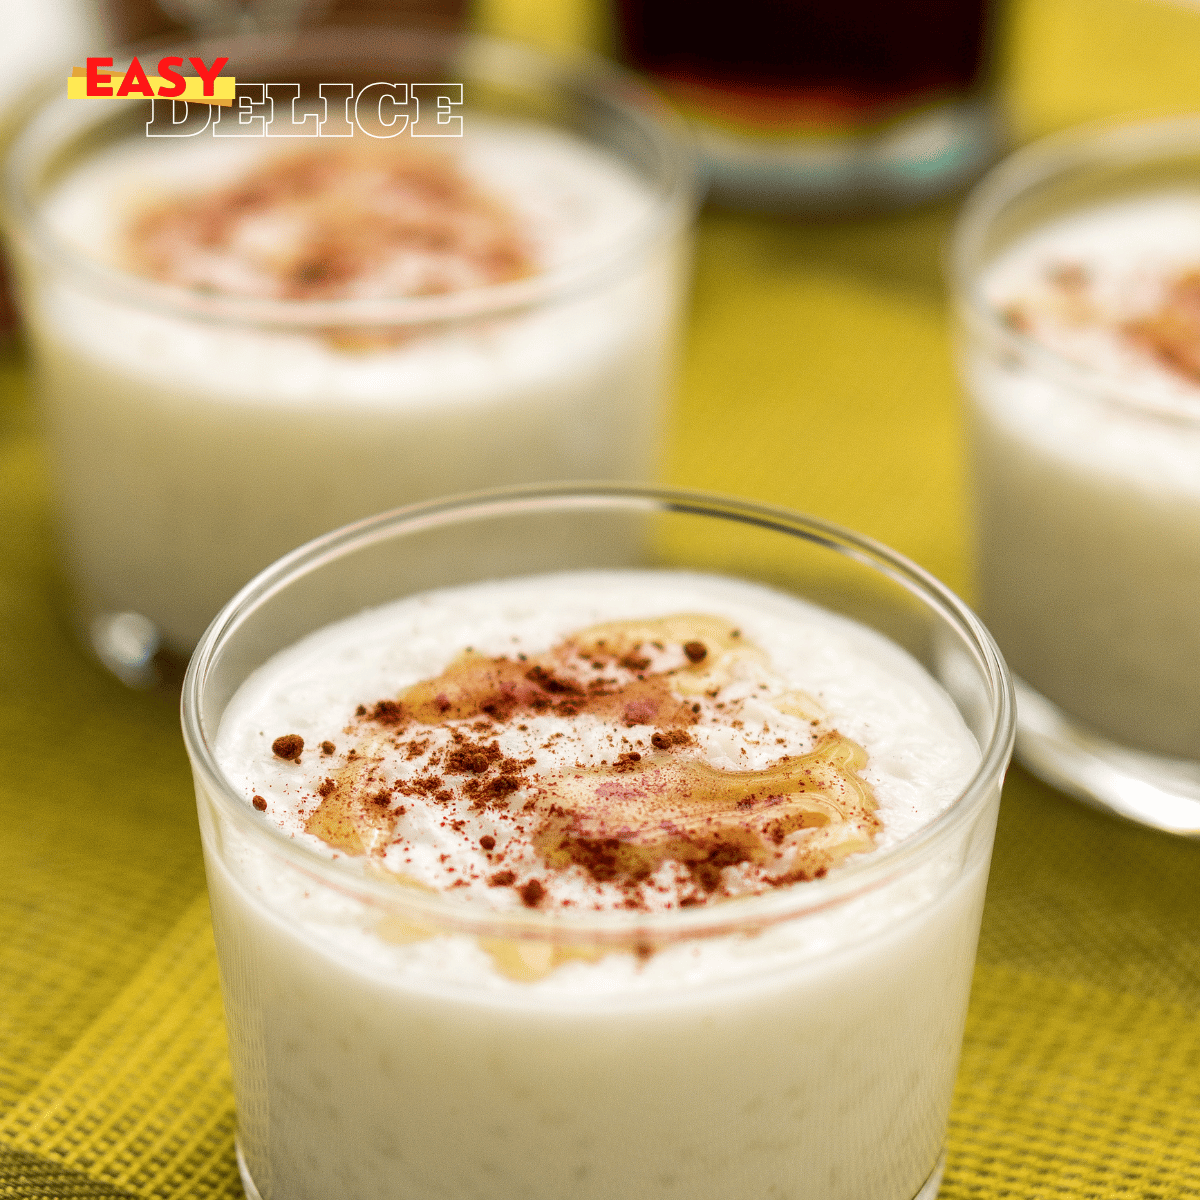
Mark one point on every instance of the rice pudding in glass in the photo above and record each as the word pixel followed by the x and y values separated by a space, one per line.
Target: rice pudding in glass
pixel 242 342
pixel 1077 266
pixel 596 842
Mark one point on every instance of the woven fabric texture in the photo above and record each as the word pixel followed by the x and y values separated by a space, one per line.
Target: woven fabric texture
pixel 817 374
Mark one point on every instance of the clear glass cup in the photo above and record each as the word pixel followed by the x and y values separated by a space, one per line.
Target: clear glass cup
pixel 818 1057
pixel 1087 499
pixel 195 437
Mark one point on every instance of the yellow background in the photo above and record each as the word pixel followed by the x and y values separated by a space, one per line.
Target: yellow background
pixel 817 374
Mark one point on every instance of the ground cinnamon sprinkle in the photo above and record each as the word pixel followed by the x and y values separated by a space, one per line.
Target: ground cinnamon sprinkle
pixel 387 712
pixel 1016 317
pixel 288 747
pixel 472 759
pixel 1172 333
pixel 332 223
pixel 672 738
pixel 620 821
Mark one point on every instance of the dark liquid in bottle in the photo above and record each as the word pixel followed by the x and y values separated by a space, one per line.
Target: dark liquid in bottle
pixel 829 62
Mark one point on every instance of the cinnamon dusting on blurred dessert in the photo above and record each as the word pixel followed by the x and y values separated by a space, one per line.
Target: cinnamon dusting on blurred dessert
pixel 1171 334
pixel 1168 334
pixel 332 224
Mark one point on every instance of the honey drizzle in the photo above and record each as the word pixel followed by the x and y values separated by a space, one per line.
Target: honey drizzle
pixel 622 821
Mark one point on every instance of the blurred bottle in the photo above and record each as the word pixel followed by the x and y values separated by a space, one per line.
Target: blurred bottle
pixel 825 105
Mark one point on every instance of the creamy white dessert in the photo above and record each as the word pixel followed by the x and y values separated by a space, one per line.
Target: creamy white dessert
pixel 579 747
pixel 1087 463
pixel 190 453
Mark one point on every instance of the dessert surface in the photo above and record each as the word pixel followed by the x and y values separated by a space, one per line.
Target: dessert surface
pixel 349 220
pixel 380 223
pixel 596 741
pixel 334 223
pixel 1115 288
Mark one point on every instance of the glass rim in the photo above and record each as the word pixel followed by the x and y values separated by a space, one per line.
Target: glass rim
pixel 54 119
pixel 1117 142
pixel 443 912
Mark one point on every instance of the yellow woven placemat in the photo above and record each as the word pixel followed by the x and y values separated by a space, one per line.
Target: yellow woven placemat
pixel 816 374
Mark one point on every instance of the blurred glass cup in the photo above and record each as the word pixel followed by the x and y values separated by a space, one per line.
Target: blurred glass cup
pixel 1085 441
pixel 195 436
